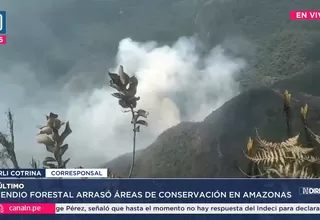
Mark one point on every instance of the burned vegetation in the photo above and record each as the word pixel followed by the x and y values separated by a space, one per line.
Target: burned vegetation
pixel 286 159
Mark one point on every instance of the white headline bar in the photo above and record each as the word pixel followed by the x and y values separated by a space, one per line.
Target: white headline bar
pixel 77 173
pixel 164 208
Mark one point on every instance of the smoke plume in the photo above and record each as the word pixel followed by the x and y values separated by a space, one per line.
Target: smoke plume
pixel 176 82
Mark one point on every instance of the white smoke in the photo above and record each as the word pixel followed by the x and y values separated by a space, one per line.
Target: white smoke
pixel 164 71
pixel 175 83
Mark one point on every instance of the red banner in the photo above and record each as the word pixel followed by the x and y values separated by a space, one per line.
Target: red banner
pixel 27 208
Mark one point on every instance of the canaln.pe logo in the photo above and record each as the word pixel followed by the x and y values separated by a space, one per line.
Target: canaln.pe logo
pixel 3 27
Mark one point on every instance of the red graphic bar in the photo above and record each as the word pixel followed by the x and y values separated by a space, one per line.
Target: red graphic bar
pixel 27 208
pixel 3 39
pixel 305 15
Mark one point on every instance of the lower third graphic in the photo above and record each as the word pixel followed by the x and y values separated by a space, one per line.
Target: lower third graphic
pixel 309 191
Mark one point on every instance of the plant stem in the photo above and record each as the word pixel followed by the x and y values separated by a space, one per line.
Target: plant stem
pixel 309 144
pixel 287 110
pixel 134 144
pixel 11 150
pixel 14 160
pixel 307 135
pixel 249 168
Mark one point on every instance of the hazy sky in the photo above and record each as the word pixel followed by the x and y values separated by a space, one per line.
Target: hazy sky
pixel 56 59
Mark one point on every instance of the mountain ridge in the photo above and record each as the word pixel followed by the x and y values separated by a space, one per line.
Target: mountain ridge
pixel 281 54
pixel 212 148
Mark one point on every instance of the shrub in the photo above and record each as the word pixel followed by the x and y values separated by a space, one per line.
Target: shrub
pixel 127 89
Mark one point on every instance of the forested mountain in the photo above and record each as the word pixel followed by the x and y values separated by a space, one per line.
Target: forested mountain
pixel 58 54
pixel 283 54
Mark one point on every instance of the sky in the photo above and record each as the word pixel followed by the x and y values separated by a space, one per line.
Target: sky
pixel 56 60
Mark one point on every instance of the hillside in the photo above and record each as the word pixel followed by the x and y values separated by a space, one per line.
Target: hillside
pixel 250 28
pixel 281 54
pixel 75 51
pixel 212 148
pixel 261 31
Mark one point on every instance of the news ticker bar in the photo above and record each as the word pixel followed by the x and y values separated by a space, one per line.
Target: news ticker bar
pixel 54 173
pixel 152 208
